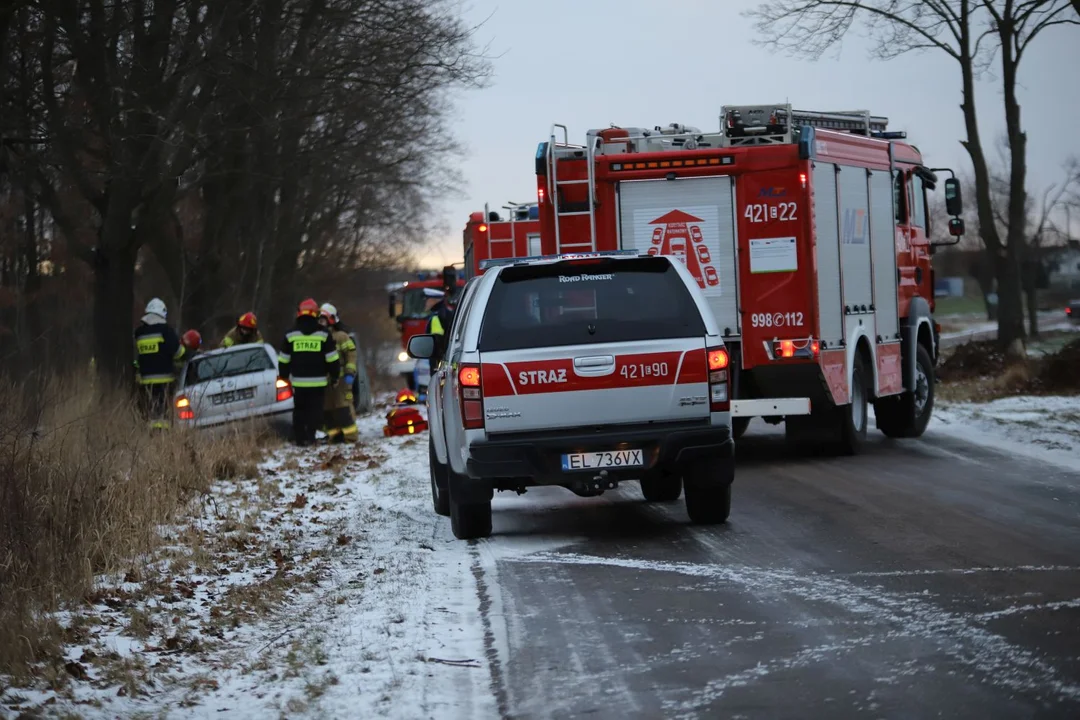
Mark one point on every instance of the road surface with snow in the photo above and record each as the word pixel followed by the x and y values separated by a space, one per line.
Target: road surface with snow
pixel 937 577
pixel 923 578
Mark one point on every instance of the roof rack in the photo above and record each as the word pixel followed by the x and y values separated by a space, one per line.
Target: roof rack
pixel 779 124
pixel 496 262
pixel 517 212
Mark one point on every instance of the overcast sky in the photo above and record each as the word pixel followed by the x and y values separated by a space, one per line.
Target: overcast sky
pixel 590 63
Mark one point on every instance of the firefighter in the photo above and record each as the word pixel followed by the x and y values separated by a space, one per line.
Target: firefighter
pixel 339 420
pixel 158 352
pixel 309 359
pixel 439 324
pixel 192 342
pixel 245 332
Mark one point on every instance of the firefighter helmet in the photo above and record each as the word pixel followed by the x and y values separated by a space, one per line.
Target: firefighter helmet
pixel 330 313
pixel 192 340
pixel 406 396
pixel 308 307
pixel 157 307
pixel 248 320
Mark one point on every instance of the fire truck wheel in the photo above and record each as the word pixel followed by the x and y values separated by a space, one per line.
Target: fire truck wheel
pixel 661 487
pixel 708 504
pixel 467 520
pixel 907 415
pixel 738 426
pixel 854 415
pixel 440 493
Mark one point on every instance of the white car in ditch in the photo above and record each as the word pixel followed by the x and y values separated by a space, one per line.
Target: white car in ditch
pixel 231 384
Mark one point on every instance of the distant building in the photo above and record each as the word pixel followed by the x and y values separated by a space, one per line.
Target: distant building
pixel 1063 267
pixel 949 287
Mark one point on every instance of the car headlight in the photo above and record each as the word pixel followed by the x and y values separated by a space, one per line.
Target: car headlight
pixel 403 356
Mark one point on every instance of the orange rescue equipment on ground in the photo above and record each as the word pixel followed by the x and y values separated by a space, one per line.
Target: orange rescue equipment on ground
pixel 405 417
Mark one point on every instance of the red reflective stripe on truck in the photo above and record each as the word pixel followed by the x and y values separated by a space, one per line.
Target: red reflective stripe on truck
pixel 638 370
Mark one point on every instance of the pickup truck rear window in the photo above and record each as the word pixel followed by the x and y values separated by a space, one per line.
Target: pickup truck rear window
pixel 581 304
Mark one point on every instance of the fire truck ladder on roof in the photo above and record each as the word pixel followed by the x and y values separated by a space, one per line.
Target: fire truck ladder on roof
pixel 565 150
pixel 778 124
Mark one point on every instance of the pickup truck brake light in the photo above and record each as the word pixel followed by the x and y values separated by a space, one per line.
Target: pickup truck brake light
pixel 471 396
pixel 718 360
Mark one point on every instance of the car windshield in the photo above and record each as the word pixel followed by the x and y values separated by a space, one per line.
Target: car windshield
pixel 600 302
pixel 239 362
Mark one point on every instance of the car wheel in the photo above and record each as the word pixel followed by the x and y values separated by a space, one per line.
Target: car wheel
pixel 661 487
pixel 907 415
pixel 440 493
pixel 708 504
pixel 468 520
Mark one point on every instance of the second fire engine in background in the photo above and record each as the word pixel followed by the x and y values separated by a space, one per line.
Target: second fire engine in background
pixel 411 307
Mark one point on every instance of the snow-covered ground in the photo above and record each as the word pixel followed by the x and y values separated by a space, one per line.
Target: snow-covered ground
pixel 325 588
pixel 1044 428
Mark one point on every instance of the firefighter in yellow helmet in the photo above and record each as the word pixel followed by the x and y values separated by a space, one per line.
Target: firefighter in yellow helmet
pixel 339 419
pixel 246 331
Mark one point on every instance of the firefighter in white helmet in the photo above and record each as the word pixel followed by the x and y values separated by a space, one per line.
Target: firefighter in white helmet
pixel 158 353
pixel 339 419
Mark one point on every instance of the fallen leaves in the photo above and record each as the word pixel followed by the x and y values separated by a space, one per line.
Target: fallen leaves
pixel 299 501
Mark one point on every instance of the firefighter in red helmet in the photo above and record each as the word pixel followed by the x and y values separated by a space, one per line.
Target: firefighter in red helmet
pixel 246 331
pixel 192 341
pixel 309 359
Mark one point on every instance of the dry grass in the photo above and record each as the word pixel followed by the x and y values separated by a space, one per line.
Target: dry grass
pixel 84 489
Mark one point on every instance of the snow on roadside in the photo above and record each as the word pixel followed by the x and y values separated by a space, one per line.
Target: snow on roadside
pixel 327 587
pixel 1045 428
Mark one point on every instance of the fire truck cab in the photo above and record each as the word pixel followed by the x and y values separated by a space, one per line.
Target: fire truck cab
pixel 808 232
pixel 488 236
pixel 410 304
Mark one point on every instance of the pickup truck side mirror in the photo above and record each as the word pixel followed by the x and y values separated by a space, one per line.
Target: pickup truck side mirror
pixel 954 202
pixel 421 347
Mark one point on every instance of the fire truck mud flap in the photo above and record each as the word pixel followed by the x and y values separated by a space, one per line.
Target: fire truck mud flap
pixel 775 407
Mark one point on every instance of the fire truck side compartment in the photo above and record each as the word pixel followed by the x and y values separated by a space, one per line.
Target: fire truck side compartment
pixel 827 239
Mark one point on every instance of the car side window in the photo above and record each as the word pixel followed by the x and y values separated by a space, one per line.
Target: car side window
pixel 457 325
pixel 900 199
pixel 918 205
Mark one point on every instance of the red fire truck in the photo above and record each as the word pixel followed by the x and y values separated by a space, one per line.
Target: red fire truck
pixel 410 303
pixel 808 233
pixel 488 236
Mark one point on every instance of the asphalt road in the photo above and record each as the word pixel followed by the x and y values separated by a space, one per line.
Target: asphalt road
pixel 928 578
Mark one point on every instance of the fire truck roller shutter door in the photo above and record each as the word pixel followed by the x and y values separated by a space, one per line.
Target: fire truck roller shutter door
pixel 852 185
pixel 688 212
pixel 827 235
pixel 883 250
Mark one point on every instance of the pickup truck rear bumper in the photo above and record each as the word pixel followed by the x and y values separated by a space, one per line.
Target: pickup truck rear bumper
pixel 537 457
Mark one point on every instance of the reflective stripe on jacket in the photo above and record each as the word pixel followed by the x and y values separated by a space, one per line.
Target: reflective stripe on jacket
pixel 308 356
pixel 157 353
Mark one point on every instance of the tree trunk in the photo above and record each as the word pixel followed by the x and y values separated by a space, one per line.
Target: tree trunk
pixel 995 254
pixel 1011 325
pixel 1032 309
pixel 114 296
pixel 114 286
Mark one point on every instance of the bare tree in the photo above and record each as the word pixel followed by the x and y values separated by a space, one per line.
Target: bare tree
pixel 225 156
pixel 972 33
